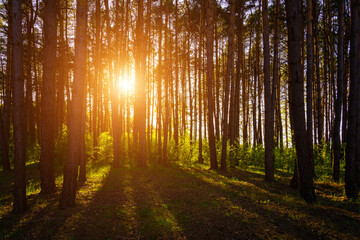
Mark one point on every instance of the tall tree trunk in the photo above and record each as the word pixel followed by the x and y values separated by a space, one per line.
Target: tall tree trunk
pixel 339 97
pixel 352 166
pixel 140 96
pixel 115 111
pixel 159 87
pixel 209 78
pixel 276 77
pixel 68 193
pixel 201 105
pixel 5 119
pixel 296 98
pixel 309 78
pixel 19 123
pixel 176 113
pixel 96 92
pixel 229 78
pixel 318 84
pixel 167 66
pixel 48 114
pixel 269 103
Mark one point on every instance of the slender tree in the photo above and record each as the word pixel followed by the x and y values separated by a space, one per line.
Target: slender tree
pixel 140 100
pixel 339 97
pixel 269 103
pixel 6 112
pixel 229 78
pixel 19 123
pixel 309 77
pixel 209 79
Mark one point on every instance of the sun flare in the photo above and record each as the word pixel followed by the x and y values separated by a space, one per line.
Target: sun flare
pixel 124 83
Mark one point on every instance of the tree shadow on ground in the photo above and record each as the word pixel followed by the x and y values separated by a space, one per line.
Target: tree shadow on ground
pixel 187 203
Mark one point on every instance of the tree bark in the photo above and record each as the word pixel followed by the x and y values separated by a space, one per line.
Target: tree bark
pixel 229 78
pixel 48 114
pixel 140 96
pixel 339 97
pixel 269 103
pixel 296 98
pixel 209 79
pixel 352 166
pixel 5 119
pixel 19 123
pixel 68 193
pixel 309 78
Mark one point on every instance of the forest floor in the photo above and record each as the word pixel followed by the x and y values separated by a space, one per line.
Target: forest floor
pixel 179 202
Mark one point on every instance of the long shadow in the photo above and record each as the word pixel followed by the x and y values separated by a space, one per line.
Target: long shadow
pixel 205 214
pixel 42 220
pixel 193 203
pixel 110 213
pixel 333 217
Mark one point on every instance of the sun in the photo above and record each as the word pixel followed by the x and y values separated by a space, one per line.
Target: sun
pixel 124 83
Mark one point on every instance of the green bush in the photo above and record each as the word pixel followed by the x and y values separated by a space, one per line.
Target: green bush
pixel 61 145
pixel 105 148
pixel 285 158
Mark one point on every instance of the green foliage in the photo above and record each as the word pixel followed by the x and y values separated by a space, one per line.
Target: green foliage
pixel 323 161
pixel 184 152
pixel 105 148
pixel 248 156
pixel 89 146
pixel 284 158
pixel 61 145
pixel 33 154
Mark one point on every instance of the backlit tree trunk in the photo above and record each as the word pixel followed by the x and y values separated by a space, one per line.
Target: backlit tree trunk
pixel 19 122
pixel 339 97
pixel 269 103
pixel 48 114
pixel 296 98
pixel 209 79
pixel 68 193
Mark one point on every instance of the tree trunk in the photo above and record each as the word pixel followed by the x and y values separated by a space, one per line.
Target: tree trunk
pixel 167 66
pixel 229 78
pixel 352 167
pixel 309 78
pixel 209 78
pixel 68 193
pixel 48 114
pixel 296 98
pixel 339 97
pixel 176 113
pixel 140 96
pixel 269 103
pixel 200 159
pixel 159 87
pixel 5 119
pixel 19 123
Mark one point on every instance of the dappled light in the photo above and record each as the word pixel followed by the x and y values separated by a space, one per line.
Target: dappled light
pixel 179 119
